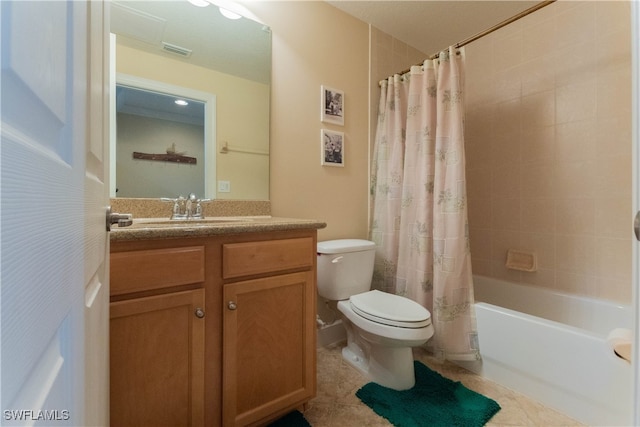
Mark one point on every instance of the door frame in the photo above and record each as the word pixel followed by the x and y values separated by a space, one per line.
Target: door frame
pixel 209 99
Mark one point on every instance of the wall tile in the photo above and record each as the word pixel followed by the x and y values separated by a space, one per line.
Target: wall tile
pixel 507 117
pixel 507 51
pixel 576 141
pixel 549 121
pixel 612 16
pixel 576 215
pixel 538 75
pixel 505 213
pixel 538 180
pixel 610 215
pixel 544 245
pixel 479 213
pixel 538 40
pixel 538 215
pixel 576 102
pixel 613 258
pixel 576 254
pixel 539 109
pixel 543 277
pixel 538 145
pixel 505 181
pixel 613 136
pixel 576 179
pixel 576 24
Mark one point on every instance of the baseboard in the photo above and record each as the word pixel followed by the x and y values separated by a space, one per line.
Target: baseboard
pixel 331 334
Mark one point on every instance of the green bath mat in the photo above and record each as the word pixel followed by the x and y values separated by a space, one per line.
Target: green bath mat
pixel 433 401
pixel 292 419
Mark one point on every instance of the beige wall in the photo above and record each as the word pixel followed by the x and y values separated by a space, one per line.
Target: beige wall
pixel 548 144
pixel 316 44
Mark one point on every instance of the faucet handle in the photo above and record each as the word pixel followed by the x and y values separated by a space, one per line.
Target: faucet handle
pixel 178 206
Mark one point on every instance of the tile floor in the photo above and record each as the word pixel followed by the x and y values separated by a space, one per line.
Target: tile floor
pixel 336 404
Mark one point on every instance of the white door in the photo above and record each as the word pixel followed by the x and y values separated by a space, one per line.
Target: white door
pixel 53 239
pixel 635 75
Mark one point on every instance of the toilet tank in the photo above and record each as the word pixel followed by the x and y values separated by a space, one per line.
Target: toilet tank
pixel 345 267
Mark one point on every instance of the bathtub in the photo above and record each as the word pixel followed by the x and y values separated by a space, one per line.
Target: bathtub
pixel 553 348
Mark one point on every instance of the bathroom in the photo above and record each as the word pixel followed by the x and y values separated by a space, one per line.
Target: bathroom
pixel 593 244
pixel 314 44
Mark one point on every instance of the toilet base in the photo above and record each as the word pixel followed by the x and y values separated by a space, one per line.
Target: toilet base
pixel 390 367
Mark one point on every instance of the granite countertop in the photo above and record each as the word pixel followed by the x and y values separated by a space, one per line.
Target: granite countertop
pixel 162 228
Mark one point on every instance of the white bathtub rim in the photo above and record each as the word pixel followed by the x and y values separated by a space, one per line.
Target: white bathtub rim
pixel 579 314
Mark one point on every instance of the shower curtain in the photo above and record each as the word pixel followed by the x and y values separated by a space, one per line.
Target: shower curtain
pixel 419 211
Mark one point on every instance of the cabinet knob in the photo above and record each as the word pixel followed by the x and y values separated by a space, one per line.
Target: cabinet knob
pixel 199 313
pixel 231 305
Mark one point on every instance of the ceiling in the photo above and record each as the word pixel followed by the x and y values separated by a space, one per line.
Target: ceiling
pixel 146 103
pixel 201 34
pixel 431 26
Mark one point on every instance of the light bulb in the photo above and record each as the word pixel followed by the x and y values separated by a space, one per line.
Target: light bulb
pixel 228 14
pixel 199 3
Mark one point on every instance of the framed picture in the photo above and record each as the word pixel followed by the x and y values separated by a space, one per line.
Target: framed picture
pixel 332 144
pixel 332 107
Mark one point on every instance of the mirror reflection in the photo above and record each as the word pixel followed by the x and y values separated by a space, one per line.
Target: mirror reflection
pixel 165 130
pixel 227 65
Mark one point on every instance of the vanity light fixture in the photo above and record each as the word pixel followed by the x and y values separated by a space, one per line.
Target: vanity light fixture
pixel 229 14
pixel 224 6
pixel 199 3
pixel 181 102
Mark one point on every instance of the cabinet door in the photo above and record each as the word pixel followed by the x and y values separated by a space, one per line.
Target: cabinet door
pixel 157 360
pixel 268 346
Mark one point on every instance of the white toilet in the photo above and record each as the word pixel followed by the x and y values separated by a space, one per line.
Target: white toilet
pixel 381 327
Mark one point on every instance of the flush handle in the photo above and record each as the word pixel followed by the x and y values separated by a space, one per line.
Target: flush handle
pixel 337 259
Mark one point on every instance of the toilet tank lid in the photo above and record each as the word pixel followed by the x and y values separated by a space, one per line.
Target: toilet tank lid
pixel 344 245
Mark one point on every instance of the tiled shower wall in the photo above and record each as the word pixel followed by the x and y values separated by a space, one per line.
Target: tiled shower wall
pixel 548 148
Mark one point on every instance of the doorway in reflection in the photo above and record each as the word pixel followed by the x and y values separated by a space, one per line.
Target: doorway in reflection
pixel 160 144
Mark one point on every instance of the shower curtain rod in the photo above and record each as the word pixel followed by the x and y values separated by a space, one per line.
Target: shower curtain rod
pixel 489 30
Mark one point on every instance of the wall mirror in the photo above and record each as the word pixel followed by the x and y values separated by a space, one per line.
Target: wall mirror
pixel 169 50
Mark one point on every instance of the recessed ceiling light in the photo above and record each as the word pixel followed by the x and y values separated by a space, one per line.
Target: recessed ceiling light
pixel 228 14
pixel 181 102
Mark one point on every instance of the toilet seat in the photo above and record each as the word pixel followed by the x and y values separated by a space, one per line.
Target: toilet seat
pixel 389 309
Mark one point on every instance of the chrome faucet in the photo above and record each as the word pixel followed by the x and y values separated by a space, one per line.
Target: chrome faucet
pixel 186 208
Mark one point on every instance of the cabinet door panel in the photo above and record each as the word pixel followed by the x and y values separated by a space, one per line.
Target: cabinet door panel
pixel 157 361
pixel 269 346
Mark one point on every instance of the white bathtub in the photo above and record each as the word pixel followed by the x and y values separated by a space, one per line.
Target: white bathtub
pixel 553 348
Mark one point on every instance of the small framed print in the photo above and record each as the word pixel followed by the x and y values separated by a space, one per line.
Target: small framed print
pixel 332 106
pixel 332 143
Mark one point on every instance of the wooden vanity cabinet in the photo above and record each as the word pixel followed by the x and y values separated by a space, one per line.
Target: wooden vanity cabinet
pixel 248 361
pixel 269 329
pixel 157 337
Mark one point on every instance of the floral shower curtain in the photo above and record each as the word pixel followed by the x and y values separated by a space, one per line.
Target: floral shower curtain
pixel 419 211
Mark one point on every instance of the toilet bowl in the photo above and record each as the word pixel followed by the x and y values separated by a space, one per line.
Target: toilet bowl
pixel 381 328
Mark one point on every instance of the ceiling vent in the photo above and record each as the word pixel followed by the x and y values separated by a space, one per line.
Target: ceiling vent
pixel 176 50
